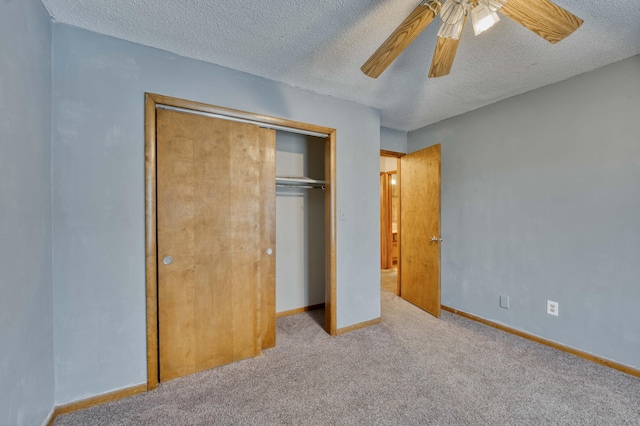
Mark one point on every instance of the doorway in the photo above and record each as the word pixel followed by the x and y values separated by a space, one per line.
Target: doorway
pixel 263 293
pixel 390 187
pixel 389 222
pixel 418 226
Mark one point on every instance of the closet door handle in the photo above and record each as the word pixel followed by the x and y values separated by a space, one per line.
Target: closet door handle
pixel 269 251
pixel 168 260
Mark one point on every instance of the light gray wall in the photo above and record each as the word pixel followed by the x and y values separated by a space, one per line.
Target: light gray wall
pixel 26 300
pixel 98 187
pixel 300 267
pixel 541 201
pixel 393 140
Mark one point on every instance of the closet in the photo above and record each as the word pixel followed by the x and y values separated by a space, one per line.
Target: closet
pixel 219 185
pixel 300 223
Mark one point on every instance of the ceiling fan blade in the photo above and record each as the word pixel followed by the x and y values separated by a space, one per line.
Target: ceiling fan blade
pixel 544 18
pixel 406 32
pixel 444 55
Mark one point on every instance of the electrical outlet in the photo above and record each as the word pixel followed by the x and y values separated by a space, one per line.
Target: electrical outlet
pixel 552 308
pixel 504 301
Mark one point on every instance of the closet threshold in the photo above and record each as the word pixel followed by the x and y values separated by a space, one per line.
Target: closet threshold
pixel 300 182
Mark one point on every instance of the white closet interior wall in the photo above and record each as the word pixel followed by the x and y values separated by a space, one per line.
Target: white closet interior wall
pixel 300 254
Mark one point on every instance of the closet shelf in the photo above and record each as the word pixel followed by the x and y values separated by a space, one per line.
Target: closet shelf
pixel 300 182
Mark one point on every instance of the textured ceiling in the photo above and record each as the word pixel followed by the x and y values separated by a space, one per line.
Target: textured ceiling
pixel 320 46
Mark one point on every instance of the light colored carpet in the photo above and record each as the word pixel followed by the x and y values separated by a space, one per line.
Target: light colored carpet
pixel 411 369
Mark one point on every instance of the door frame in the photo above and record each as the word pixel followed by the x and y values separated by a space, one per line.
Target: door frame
pixel 151 259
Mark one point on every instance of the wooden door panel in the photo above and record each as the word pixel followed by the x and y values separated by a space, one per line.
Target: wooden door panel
pixel 419 222
pixel 210 220
pixel 268 238
pixel 176 200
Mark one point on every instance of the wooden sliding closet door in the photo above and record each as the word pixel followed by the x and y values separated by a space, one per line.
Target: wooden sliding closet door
pixel 213 230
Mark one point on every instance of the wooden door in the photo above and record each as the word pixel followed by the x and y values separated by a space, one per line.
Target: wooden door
pixel 419 223
pixel 214 227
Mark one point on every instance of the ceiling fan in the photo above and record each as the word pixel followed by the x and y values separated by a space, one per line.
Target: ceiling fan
pixel 543 17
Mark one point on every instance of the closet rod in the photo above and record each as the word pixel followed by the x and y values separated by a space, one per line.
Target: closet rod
pixel 243 120
pixel 279 185
pixel 299 180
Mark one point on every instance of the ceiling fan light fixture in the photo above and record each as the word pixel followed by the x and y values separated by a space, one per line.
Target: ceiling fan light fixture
pixel 545 18
pixel 452 31
pixel 493 5
pixel 433 5
pixel 483 18
pixel 453 11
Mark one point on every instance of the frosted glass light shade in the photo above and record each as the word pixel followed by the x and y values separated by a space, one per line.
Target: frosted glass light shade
pixel 453 11
pixel 451 31
pixel 483 18
pixel 494 5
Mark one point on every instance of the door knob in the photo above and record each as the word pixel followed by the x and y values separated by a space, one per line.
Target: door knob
pixel 168 260
pixel 269 251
